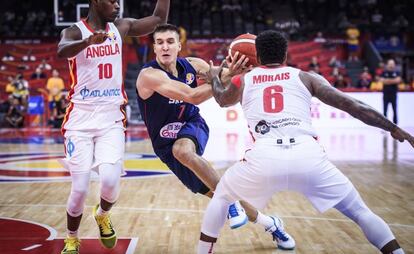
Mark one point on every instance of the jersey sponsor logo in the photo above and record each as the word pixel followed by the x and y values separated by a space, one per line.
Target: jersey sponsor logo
pixel 70 147
pixel 257 79
pixel 102 50
pixel 263 126
pixel 189 78
pixel 85 92
pixel 170 130
pixel 173 101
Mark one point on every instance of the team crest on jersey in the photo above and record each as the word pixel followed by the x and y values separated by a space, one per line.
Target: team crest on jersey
pixel 189 78
pixel 111 36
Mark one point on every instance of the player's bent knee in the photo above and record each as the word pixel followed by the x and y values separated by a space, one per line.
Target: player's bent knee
pixel 182 153
pixel 76 202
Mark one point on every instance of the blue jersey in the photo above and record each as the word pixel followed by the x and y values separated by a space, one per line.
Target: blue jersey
pixel 163 116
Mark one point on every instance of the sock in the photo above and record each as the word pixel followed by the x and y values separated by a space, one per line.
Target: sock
pixel 205 247
pixel 264 220
pixel 72 234
pixel 398 251
pixel 101 212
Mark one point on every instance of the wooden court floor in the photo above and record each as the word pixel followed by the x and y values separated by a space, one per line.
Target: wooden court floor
pixel 166 217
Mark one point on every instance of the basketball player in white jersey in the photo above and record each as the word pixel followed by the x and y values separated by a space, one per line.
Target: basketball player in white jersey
pixel 95 119
pixel 285 156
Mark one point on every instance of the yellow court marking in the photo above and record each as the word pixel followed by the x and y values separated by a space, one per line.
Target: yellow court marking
pixel 151 164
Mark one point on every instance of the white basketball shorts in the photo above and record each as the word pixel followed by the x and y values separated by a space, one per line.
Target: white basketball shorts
pixel 269 168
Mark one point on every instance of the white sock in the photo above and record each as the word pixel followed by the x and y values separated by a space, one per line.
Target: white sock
pixel 205 247
pixel 72 234
pixel 398 251
pixel 264 220
pixel 101 212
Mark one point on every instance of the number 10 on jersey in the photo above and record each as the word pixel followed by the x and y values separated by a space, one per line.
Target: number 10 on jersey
pixel 273 99
pixel 105 71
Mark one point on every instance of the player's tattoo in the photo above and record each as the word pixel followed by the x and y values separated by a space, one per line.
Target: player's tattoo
pixel 333 97
pixel 225 96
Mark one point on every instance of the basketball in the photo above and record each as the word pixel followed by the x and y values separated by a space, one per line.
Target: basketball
pixel 245 44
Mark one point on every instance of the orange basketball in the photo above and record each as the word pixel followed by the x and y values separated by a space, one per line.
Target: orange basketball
pixel 245 44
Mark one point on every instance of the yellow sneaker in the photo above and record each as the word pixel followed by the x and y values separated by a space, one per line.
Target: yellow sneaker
pixel 71 245
pixel 107 234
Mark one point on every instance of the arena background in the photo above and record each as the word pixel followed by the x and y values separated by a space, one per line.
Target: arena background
pixel 34 186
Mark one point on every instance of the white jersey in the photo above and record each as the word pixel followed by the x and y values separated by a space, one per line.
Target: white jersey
pixel 276 103
pixel 97 92
pixel 96 71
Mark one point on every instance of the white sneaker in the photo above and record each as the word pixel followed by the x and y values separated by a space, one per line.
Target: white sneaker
pixel 237 216
pixel 282 239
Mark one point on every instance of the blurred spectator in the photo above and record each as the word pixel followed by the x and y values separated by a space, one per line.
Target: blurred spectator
pixel 365 79
pixel 44 66
pixel 15 115
pixel 19 88
pixel 341 82
pixel 221 54
pixel 401 21
pixel 3 67
pixel 353 42
pixel 335 72
pixel 10 87
pixel 376 85
pixel 376 17
pixel 7 57
pixel 391 79
pixel 379 69
pixel 55 85
pixel 57 115
pixel 29 57
pixel 314 63
pixel 319 38
pixel 315 70
pixel 334 62
pixel 38 74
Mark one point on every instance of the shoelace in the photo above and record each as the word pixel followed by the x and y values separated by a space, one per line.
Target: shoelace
pixel 75 242
pixel 106 222
pixel 280 235
pixel 233 211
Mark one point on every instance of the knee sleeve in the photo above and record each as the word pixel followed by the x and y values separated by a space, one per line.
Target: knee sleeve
pixel 110 175
pixel 215 216
pixel 375 229
pixel 78 193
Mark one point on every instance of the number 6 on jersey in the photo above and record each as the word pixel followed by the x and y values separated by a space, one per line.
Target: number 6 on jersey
pixel 273 99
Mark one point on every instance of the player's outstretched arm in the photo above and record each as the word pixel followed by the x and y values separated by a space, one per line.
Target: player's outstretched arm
pixel 71 42
pixel 152 80
pixel 321 89
pixel 227 94
pixel 142 26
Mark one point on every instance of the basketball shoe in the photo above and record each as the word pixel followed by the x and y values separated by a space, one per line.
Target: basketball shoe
pixel 282 239
pixel 107 234
pixel 237 216
pixel 72 245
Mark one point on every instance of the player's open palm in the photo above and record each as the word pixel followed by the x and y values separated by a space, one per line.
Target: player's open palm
pixel 97 37
pixel 402 135
pixel 214 71
pixel 237 64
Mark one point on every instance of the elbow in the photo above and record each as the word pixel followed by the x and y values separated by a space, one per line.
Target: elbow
pixel 60 53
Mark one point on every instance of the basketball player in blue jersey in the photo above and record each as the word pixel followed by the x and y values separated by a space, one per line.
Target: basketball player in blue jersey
pixel 167 94
pixel 94 125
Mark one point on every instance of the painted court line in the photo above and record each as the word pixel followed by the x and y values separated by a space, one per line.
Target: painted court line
pixel 148 210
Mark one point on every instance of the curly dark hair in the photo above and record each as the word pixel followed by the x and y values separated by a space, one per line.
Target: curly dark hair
pixel 166 27
pixel 271 47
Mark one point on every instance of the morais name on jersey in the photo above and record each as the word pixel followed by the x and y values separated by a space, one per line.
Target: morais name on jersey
pixel 270 78
pixel 102 50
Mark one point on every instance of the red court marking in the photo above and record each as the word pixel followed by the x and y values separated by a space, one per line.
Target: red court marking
pixel 26 237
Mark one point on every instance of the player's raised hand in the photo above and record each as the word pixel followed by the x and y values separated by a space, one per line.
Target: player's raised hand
pixel 97 37
pixel 401 135
pixel 237 64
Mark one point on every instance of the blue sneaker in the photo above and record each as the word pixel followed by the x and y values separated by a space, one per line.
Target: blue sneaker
pixel 282 239
pixel 237 216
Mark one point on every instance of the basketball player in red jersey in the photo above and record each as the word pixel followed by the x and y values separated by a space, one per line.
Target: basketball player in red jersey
pixel 285 156
pixel 94 124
